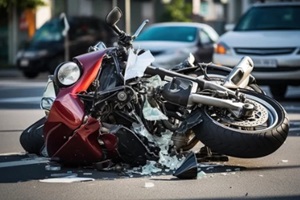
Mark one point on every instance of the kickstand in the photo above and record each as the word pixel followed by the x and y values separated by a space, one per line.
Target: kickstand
pixel 206 155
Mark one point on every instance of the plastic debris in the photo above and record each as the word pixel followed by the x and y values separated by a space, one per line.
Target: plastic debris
pixel 188 169
pixel 149 185
pixel 137 64
pixel 68 179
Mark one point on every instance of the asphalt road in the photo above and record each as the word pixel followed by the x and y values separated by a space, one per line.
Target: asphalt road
pixel 24 176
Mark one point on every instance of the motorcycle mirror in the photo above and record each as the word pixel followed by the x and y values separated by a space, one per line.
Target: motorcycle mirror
pixel 114 16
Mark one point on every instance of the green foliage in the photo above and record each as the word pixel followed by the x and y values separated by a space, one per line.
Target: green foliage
pixel 21 4
pixel 178 10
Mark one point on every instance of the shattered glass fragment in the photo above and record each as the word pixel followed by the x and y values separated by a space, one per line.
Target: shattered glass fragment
pixel 155 82
pixel 152 114
pixel 150 168
pixel 52 167
pixel 201 174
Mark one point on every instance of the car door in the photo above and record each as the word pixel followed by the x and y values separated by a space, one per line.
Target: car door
pixel 205 47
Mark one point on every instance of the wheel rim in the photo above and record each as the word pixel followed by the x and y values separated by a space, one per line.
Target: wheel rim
pixel 255 126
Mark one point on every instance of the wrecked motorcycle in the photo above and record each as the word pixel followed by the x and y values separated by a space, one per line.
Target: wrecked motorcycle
pixel 111 104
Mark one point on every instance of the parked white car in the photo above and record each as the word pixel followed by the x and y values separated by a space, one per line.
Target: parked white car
pixel 172 42
pixel 270 34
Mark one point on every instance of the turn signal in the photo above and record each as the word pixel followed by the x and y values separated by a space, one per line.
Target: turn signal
pixel 221 49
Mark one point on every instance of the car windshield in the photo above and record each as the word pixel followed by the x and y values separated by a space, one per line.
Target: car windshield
pixel 270 18
pixel 51 31
pixel 168 33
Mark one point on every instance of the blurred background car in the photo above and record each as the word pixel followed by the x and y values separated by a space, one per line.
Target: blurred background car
pixel 47 47
pixel 270 34
pixel 172 42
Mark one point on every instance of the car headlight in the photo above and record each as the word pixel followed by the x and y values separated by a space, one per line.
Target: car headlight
pixel 67 73
pixel 222 48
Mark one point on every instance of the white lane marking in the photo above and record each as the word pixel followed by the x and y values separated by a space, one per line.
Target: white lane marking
pixel 294 129
pixel 24 162
pixel 292 108
pixel 21 100
pixel 14 83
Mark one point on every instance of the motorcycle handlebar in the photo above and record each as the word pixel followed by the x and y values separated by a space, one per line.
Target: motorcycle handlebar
pixel 124 39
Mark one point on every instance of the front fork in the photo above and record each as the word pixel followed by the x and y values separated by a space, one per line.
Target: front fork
pixel 183 91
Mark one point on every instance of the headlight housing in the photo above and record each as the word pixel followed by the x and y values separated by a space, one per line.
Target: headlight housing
pixel 222 48
pixel 67 73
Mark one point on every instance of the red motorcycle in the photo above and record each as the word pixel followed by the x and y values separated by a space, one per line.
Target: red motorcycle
pixel 111 104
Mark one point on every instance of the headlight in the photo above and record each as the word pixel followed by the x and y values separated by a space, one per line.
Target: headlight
pixel 67 73
pixel 222 48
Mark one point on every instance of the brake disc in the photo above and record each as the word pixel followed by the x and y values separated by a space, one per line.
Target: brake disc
pixel 259 117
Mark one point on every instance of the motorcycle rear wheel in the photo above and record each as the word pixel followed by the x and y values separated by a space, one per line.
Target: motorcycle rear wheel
pixel 250 142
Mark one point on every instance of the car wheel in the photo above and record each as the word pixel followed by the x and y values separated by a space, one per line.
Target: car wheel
pixel 278 91
pixel 54 63
pixel 30 74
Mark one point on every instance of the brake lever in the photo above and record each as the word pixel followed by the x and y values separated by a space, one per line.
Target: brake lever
pixel 138 31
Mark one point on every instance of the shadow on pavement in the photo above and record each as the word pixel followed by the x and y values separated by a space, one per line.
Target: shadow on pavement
pixel 18 172
pixel 21 168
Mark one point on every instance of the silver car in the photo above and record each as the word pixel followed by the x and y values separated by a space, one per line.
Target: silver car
pixel 270 34
pixel 172 42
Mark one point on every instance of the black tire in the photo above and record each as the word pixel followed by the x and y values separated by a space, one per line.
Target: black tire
pixel 32 138
pixel 246 143
pixel 256 88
